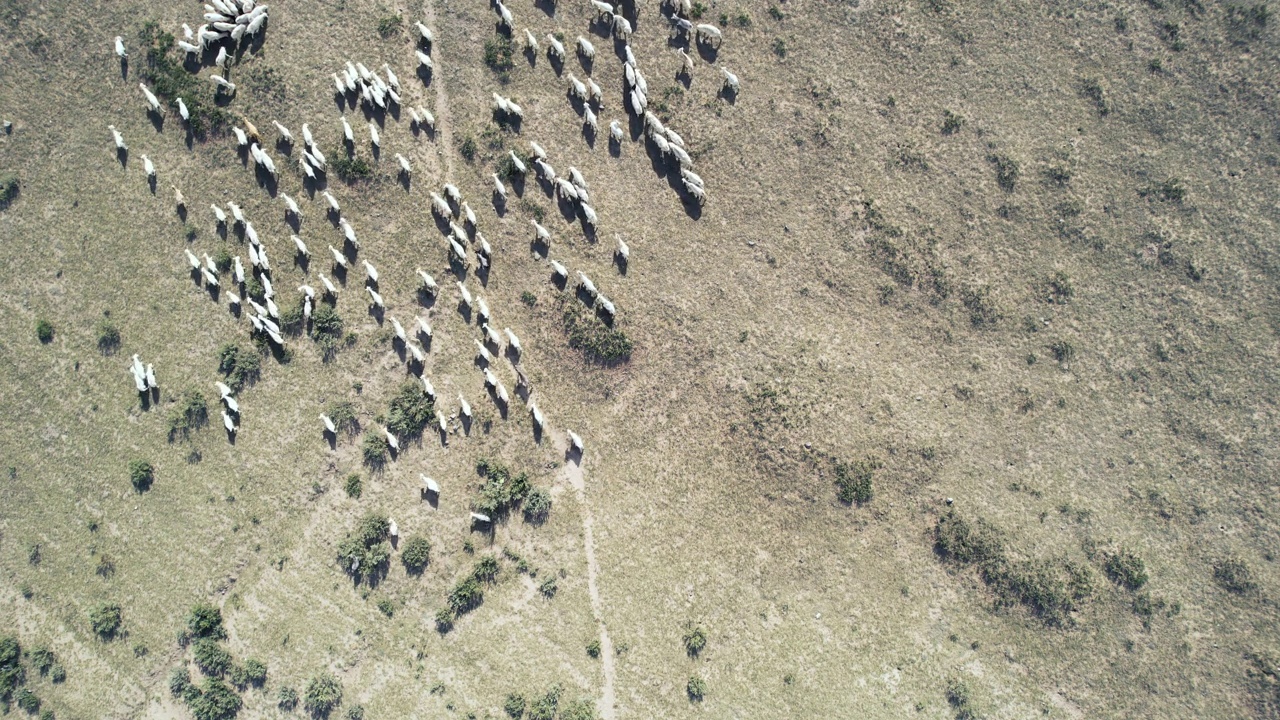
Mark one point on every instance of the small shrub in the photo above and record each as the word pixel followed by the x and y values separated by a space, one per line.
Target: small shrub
pixel 106 566
pixel 42 659
pixel 416 553
pixel 775 13
pixel 501 491
pixel 465 596
pixel 1007 171
pixel 255 671
pixel 355 712
pixel 386 607
pixel 593 649
pixel 598 342
pixel 468 148
pixel 983 311
pixel 222 260
pixel 44 331
pixel 11 672
pixel 191 413
pixel 108 338
pixel 1091 89
pixel 374 450
pixel 343 415
pixel 697 11
pixel 27 700
pixel 957 540
pixel 780 47
pixel 853 481
pixel 210 657
pixel 498 52
pixel 545 707
pixel 205 621
pixel 1234 576
pixel 351 169
pixel 743 20
pixel 9 189
pixel 389 25
pixel 548 588
pixel 353 486
pixel 578 710
pixel 323 694
pixel 1126 569
pixel 216 701
pixel 179 681
pixel 239 366
pixel 696 688
pixel 286 698
pixel 365 552
pixel 105 619
pixel 528 298
pixel 1246 22
pixel 410 411
pixel 695 640
pixel 58 674
pixel 1060 288
pixel 444 620
pixel 951 122
pixel 1063 351
pixel 537 506
pixel 960 697
pixel 514 705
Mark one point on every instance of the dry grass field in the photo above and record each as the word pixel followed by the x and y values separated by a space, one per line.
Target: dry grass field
pixel 956 399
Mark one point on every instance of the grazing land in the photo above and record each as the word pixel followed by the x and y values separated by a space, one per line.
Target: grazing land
pixel 956 398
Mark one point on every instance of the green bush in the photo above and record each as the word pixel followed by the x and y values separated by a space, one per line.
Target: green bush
pixel 1126 569
pixel 598 342
pixel 255 671
pixel 951 122
pixel 960 697
pixel 498 52
pixel 853 481
pixel 593 649
pixel 537 506
pixel 465 596
pixel 353 486
pixel 291 317
pixel 141 474
pixel 58 674
pixel 548 588
pixel 105 619
pixel 210 657
pixel 386 607
pixel 501 491
pixel 355 712
pixel 410 411
pixel 191 413
pixel 544 708
pixel 108 338
pixel 179 681
pixel 1007 171
pixel 216 701
pixel 222 260
pixel 323 694
pixel 416 553
pixel 170 80
pixel 42 659
pixel 444 620
pixel 578 710
pixel 351 169
pixel 27 700
pixel 47 714
pixel 44 331
pixel 240 366
pixel 205 621
pixel 11 673
pixel 1234 576
pixel 9 188
pixel 343 415
pixel 365 552
pixel 694 641
pixel 514 705
pixel 374 450
pixel 696 688
pixel 286 698
pixel 958 540
pixel 389 25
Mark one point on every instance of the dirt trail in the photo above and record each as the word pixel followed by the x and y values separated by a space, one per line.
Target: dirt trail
pixel 444 122
pixel 572 471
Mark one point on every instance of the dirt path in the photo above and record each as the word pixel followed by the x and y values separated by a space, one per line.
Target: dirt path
pixel 572 471
pixel 444 120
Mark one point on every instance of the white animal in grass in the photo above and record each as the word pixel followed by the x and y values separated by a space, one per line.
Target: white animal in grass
pixel 555 48
pixel 586 49
pixel 425 34
pixel 300 246
pixel 227 421
pixel 432 487
pixel 153 103
pixel 465 294
pixel 513 341
pixel 499 189
pixel 516 163
pixel 424 328
pixel 392 440
pixel 424 60
pixel 291 205
pixel 371 271
pixel 120 51
pixel 465 408
pixel 542 234
pixel 284 132
pixel 427 388
pixel 375 297
pixel 537 150
pixel 576 442
pixel 428 282
pixel 338 258
pixel 530 41
pixel 404 165
pixel 482 352
pixel 329 287
pixel 399 330
pixel 118 138
pixel 148 167
pixel 560 270
pixel 624 252
pixel 328 424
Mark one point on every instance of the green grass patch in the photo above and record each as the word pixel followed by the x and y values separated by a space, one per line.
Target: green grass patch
pixel 598 342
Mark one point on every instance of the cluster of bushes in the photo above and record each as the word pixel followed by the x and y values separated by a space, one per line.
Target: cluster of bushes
pixel 1050 589
pixel 351 168
pixel 215 698
pixel 548 707
pixel 364 554
pixel 468 593
pixel 598 342
pixel 502 491
pixel 13 675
